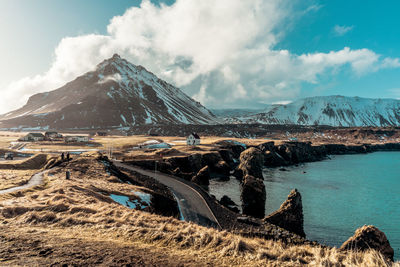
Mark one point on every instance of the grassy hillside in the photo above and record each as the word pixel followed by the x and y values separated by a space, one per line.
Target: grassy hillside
pixel 76 222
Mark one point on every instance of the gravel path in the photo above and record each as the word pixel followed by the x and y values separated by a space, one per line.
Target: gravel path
pixel 35 180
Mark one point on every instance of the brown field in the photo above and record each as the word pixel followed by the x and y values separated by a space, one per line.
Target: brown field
pixel 11 178
pixel 76 222
pixel 7 137
pixel 18 172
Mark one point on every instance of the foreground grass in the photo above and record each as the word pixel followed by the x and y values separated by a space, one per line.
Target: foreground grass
pixel 74 221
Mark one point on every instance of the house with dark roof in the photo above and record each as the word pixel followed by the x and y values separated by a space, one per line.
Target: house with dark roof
pixel 52 135
pixel 32 137
pixel 193 139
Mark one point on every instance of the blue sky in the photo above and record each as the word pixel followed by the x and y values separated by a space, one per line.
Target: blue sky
pixel 375 25
pixel 31 31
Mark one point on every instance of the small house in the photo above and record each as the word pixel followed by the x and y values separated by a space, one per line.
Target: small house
pixel 52 135
pixel 193 139
pixel 32 137
pixel 77 138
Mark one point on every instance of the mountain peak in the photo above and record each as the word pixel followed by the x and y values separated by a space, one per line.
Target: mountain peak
pixel 116 94
pixel 116 56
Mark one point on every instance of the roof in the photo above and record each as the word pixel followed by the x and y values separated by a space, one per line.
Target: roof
pixel 196 136
pixel 50 133
pixel 36 134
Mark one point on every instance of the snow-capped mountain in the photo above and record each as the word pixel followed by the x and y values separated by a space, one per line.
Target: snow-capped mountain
pixel 116 93
pixel 329 110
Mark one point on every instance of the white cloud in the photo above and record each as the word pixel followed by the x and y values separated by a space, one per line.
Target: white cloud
pixel 283 102
pixel 342 30
pixel 220 52
pixel 115 77
pixel 313 8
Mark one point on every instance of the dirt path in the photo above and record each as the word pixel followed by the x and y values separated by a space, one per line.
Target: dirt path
pixel 192 205
pixel 35 180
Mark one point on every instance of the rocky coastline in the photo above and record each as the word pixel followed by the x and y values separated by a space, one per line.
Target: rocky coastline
pixel 234 160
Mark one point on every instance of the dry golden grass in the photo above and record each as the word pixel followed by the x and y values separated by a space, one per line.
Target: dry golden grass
pixel 35 162
pixel 7 137
pixel 81 208
pixel 18 172
pixel 56 147
pixel 12 178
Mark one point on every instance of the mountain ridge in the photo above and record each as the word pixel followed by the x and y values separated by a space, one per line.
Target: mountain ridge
pixel 336 110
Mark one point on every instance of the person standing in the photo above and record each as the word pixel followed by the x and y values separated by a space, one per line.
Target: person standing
pixel 62 156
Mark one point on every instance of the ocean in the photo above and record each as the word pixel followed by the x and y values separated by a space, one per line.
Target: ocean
pixel 339 195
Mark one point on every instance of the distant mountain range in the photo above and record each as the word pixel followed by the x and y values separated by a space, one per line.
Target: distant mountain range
pixel 116 94
pixel 327 110
pixel 119 94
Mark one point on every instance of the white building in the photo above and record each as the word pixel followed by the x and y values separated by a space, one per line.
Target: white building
pixel 193 139
pixel 77 138
pixel 35 137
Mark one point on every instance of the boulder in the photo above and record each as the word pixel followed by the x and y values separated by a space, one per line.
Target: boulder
pixel 252 162
pixel 202 177
pixel 221 167
pixel 268 146
pixel 253 196
pixel 227 156
pixel 186 164
pixel 369 237
pixel 228 203
pixel 210 159
pixel 290 214
pixel 273 159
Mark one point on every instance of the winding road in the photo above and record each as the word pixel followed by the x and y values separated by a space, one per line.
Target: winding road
pixel 35 180
pixel 192 205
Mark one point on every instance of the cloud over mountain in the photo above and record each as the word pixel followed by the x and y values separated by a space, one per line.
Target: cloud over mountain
pixel 221 52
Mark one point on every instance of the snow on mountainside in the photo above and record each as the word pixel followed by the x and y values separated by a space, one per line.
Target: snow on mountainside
pixel 329 110
pixel 117 93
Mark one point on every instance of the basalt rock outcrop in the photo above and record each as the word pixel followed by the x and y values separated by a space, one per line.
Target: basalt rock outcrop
pixel 202 177
pixel 290 214
pixel 222 168
pixel 369 237
pixel 251 163
pixel 253 196
pixel 224 160
pixel 229 203
pixel 228 156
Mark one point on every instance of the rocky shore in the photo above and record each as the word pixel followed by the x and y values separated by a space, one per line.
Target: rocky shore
pixel 230 159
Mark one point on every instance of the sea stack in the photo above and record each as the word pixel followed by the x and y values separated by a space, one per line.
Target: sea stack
pixel 253 196
pixel 290 214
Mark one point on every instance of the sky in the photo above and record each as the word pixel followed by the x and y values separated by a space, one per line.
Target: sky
pixel 223 53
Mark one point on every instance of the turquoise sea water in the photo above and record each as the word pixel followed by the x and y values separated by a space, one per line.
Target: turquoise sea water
pixel 339 195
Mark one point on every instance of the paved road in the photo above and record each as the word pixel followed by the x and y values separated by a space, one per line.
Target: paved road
pixel 35 180
pixel 192 205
